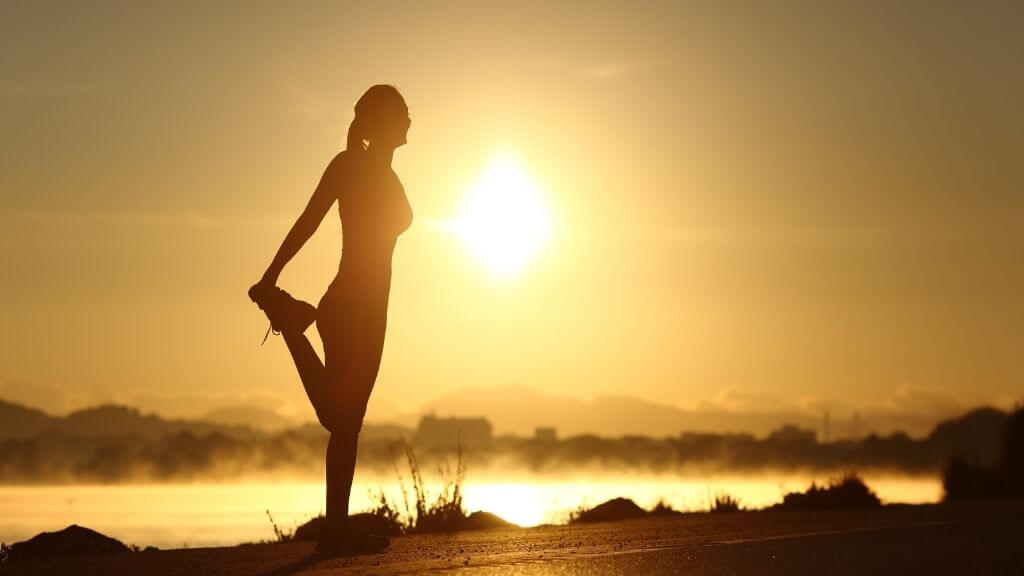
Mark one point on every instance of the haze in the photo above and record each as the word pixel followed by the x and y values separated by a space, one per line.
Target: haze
pixel 753 206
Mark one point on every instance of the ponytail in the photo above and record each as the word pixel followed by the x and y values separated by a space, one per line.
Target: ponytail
pixel 356 134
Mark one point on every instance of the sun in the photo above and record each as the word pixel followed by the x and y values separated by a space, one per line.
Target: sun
pixel 503 220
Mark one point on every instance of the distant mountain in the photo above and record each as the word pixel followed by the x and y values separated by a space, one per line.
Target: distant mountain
pixel 517 410
pixel 520 410
pixel 250 416
pixel 17 421
pixel 112 419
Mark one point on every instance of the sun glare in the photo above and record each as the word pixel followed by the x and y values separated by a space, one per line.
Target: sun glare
pixel 519 503
pixel 503 221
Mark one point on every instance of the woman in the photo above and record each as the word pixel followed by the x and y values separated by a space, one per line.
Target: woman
pixel 352 315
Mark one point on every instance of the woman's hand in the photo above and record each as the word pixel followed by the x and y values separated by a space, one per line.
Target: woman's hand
pixel 257 290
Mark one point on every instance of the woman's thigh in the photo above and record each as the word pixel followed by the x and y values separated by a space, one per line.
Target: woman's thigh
pixel 353 337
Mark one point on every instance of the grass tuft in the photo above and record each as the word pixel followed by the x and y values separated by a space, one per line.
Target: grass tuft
pixel 446 512
pixel 577 513
pixel 724 504
pixel 663 508
pixel 280 535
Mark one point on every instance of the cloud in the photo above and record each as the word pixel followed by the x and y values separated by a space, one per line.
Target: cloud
pixel 904 399
pixel 133 219
pixel 57 400
pixel 306 104
pixel 615 70
pixel 745 400
pixel 907 399
pixel 18 89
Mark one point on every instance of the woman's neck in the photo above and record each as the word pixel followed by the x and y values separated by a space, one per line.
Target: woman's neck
pixel 380 156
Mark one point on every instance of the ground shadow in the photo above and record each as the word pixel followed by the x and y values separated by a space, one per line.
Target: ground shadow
pixel 297 566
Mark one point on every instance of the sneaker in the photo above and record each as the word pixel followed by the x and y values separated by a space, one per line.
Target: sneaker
pixel 350 540
pixel 286 313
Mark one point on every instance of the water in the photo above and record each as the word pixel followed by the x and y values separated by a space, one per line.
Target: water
pixel 217 514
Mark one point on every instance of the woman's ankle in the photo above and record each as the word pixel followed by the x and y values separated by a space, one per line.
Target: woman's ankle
pixel 339 524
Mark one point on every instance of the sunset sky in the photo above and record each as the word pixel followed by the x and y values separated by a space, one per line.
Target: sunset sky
pixel 752 206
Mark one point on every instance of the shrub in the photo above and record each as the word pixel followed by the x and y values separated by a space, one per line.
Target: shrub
pixel 964 480
pixel 662 508
pixel 848 491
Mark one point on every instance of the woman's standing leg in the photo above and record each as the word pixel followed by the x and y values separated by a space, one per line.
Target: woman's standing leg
pixel 352 352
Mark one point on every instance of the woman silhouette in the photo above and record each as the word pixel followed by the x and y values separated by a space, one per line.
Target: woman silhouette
pixel 352 314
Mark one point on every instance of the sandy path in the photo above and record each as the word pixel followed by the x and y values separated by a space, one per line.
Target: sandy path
pixel 921 536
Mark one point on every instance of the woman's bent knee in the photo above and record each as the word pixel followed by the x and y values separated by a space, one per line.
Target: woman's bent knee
pixel 342 422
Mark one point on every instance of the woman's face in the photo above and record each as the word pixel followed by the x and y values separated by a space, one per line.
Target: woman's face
pixel 394 128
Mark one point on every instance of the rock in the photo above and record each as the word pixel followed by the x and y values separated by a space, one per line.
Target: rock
pixel 481 520
pixel 71 541
pixel 614 509
pixel 310 531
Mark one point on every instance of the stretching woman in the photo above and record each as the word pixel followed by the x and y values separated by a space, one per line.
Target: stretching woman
pixel 352 315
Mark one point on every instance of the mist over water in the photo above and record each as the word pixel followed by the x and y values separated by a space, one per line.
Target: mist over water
pixel 219 514
pixel 149 481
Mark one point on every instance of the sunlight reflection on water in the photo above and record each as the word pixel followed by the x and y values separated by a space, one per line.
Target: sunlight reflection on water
pixel 211 514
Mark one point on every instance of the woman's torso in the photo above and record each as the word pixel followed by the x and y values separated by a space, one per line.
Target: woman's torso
pixel 374 211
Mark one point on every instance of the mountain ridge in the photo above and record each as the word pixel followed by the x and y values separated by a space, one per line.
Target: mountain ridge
pixel 514 409
pixel 519 410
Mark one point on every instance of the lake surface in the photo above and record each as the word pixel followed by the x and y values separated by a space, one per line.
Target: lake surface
pixel 217 514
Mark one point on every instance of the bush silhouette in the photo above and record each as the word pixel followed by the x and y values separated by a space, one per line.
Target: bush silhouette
pixel 965 480
pixel 848 491
pixel 1013 453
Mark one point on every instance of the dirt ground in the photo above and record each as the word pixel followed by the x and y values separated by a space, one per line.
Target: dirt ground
pixel 983 537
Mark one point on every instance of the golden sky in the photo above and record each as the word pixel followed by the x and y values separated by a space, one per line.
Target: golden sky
pixel 752 205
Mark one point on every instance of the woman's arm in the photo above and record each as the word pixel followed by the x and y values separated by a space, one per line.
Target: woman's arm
pixel 327 191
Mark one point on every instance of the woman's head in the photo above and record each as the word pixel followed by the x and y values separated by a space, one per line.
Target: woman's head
pixel 382 118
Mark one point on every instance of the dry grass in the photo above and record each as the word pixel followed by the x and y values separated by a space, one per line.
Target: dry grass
pixel 442 513
pixel 279 534
pixel 724 503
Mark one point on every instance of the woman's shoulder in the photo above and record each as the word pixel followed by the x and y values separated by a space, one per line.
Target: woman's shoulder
pixel 343 168
pixel 341 161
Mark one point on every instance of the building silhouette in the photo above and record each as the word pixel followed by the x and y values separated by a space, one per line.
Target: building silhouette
pixel 451 432
pixel 545 434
